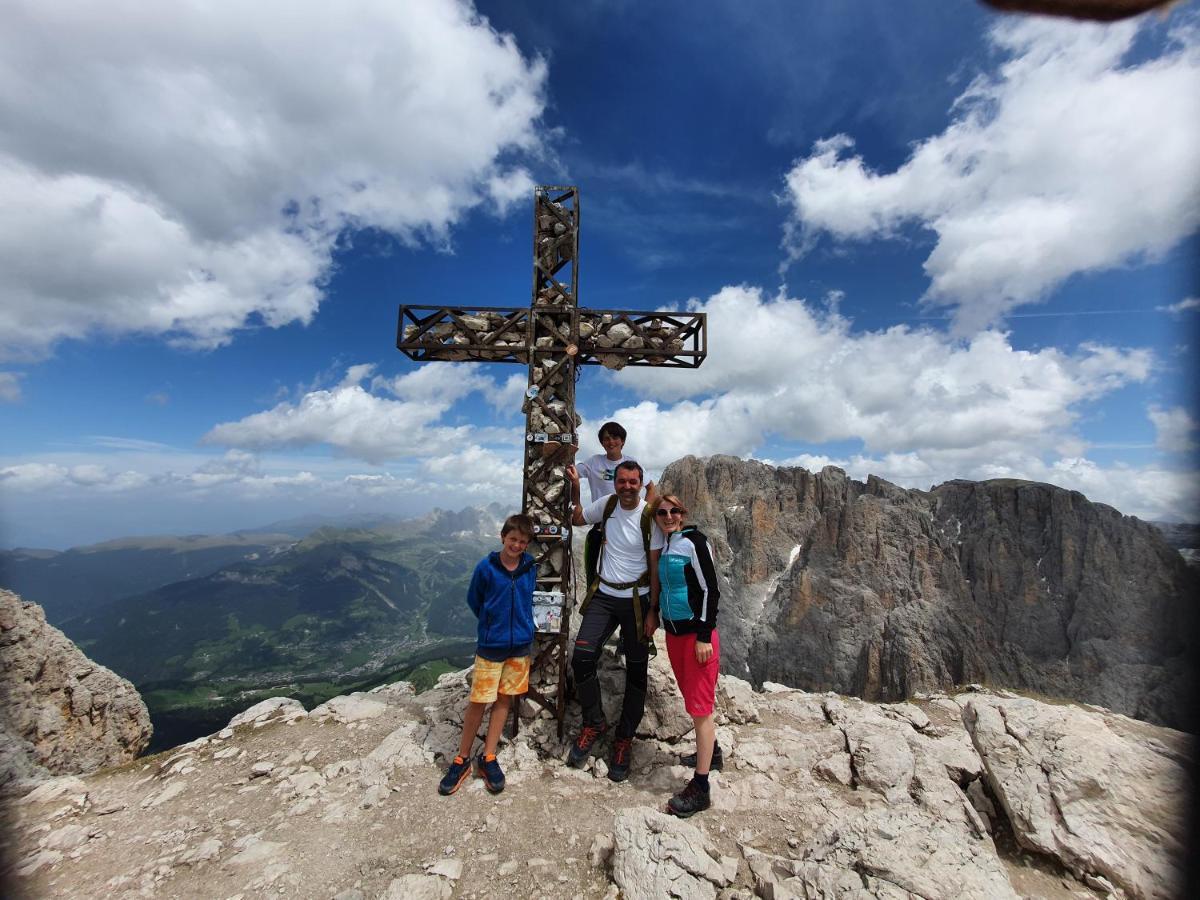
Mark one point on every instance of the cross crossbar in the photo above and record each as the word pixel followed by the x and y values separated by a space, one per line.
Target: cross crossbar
pixel 608 337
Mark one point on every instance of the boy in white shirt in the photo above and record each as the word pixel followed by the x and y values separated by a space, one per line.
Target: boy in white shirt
pixel 599 469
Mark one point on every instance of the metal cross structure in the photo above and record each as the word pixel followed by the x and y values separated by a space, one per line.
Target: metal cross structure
pixel 552 336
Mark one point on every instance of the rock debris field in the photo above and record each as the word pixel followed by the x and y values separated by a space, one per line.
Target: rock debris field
pixel 976 795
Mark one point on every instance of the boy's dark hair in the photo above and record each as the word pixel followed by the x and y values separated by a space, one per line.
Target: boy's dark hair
pixel 518 522
pixel 612 428
pixel 629 464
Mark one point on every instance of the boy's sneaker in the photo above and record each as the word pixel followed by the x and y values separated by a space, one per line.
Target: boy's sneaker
pixel 582 746
pixel 717 764
pixel 618 761
pixel 489 770
pixel 691 800
pixel 455 776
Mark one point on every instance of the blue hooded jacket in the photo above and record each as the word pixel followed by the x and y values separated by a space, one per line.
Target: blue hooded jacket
pixel 503 603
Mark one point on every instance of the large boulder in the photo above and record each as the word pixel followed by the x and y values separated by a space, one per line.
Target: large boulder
pixel 832 584
pixel 656 855
pixel 1098 791
pixel 60 713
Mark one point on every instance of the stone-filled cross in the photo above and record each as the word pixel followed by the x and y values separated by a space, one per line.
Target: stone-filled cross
pixel 552 336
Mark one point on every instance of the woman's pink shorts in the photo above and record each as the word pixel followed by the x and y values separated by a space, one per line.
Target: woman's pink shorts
pixel 697 683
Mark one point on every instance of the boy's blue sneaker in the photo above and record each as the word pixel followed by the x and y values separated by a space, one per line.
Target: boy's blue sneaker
pixel 455 776
pixel 489 770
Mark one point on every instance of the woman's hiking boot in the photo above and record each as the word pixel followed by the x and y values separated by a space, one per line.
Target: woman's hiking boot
pixel 718 760
pixel 619 759
pixel 582 746
pixel 488 768
pixel 459 769
pixel 691 800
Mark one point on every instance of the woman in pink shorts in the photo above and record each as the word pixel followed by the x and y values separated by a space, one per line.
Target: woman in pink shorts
pixel 687 602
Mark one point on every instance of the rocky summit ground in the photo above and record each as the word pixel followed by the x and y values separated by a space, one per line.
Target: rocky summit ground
pixel 976 795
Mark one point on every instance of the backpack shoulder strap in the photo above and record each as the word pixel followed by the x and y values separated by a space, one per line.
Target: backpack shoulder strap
pixel 609 507
pixel 647 528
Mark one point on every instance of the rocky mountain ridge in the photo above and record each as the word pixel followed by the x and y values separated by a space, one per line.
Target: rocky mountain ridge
pixel 949 797
pixel 60 713
pixel 870 589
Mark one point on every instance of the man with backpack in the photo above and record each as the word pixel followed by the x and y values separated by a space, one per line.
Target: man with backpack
pixel 618 595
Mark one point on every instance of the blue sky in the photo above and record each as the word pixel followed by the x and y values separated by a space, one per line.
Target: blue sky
pixel 933 242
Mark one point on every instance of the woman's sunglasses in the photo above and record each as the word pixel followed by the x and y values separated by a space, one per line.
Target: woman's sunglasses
pixel 665 511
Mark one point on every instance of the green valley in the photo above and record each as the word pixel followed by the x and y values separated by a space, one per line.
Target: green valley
pixel 342 609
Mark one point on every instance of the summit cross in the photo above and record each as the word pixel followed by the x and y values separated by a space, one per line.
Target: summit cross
pixel 552 337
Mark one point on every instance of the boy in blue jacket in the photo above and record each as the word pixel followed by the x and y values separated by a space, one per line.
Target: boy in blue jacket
pixel 501 596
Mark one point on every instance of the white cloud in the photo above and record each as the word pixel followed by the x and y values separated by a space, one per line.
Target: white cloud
pixel 926 407
pixel 1185 305
pixel 236 470
pixel 1148 491
pixel 10 387
pixel 778 367
pixel 1072 158
pixel 37 476
pixel 148 491
pixel 1175 429
pixel 476 472
pixel 194 164
pixel 365 425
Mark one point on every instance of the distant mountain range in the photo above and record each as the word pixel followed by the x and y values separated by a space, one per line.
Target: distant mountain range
pixel 205 624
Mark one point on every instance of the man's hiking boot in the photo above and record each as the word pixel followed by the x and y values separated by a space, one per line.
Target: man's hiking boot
pixel 582 746
pixel 457 773
pixel 618 761
pixel 691 800
pixel 718 760
pixel 489 770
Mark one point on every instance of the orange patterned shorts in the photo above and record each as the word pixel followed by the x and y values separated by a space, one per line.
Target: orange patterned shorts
pixel 508 677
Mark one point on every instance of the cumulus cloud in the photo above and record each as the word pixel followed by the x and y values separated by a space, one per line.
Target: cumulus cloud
pixel 778 367
pixel 10 387
pixel 196 163
pixel 1072 158
pixel 1175 429
pixel 39 476
pixel 476 472
pixel 363 423
pixel 1149 491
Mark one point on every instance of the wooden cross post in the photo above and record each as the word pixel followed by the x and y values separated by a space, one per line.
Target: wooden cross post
pixel 552 336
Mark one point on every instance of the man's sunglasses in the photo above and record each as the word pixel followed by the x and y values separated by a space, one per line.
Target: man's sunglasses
pixel 665 511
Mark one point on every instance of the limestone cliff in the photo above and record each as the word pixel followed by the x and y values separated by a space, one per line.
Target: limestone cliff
pixel 874 590
pixel 60 713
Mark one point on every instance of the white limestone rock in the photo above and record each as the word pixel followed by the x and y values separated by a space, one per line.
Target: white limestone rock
pixel 60 712
pixel 284 708
pixel 65 788
pixel 657 855
pixel 736 700
pixel 349 708
pixel 418 887
pixel 1104 794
